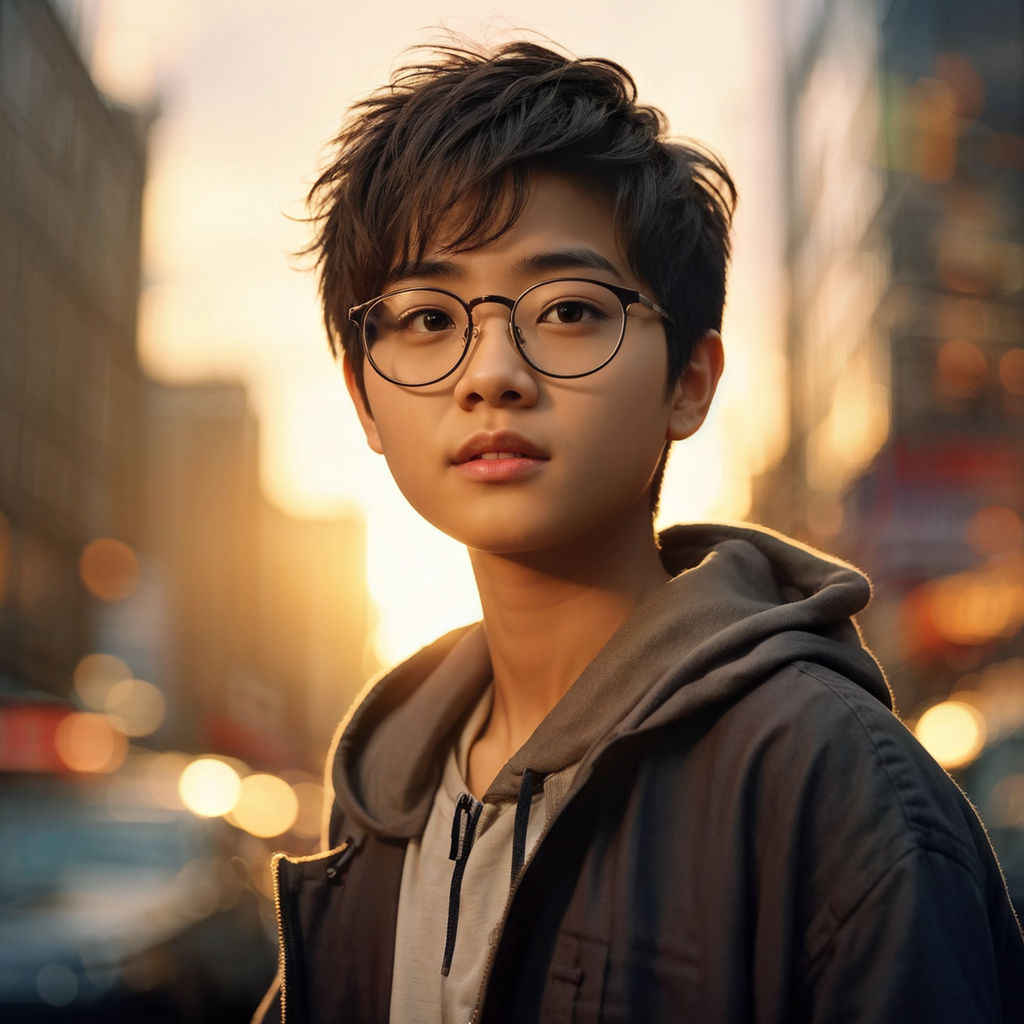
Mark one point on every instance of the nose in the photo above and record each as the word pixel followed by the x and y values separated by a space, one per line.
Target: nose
pixel 494 373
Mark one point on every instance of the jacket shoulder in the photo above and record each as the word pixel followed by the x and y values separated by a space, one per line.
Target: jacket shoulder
pixel 821 745
pixel 843 801
pixel 869 749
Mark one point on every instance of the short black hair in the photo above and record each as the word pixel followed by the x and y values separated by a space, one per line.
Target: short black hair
pixel 468 127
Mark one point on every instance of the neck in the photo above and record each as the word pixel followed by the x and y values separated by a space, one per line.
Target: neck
pixel 547 615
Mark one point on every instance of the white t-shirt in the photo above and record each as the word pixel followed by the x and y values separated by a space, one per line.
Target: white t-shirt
pixel 419 992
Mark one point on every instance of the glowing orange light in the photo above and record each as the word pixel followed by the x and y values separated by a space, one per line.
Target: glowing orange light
pixel 995 529
pixel 961 370
pixel 109 569
pixel 953 732
pixel 973 609
pixel 209 787
pixel 267 806
pixel 87 742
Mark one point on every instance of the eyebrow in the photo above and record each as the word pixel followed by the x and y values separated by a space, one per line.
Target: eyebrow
pixel 431 269
pixel 556 260
pixel 566 259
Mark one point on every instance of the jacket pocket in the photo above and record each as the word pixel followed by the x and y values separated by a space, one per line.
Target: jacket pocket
pixel 574 991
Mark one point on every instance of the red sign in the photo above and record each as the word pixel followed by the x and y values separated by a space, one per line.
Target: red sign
pixel 27 734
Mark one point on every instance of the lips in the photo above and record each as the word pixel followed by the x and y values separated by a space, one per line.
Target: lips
pixel 502 445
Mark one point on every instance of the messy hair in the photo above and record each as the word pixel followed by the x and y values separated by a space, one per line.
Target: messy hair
pixel 468 128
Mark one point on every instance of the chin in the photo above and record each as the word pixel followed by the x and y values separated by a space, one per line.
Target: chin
pixel 528 541
pixel 516 528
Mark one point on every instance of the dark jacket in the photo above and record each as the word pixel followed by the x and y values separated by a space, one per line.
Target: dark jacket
pixel 752 834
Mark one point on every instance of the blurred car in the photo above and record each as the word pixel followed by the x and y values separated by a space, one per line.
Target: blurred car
pixel 114 910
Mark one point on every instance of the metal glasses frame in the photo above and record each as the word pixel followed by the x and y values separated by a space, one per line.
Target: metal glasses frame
pixel 627 296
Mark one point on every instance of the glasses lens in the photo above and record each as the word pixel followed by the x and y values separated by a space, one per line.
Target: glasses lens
pixel 415 336
pixel 567 328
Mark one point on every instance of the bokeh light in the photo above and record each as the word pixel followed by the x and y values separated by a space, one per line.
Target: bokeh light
pixel 1007 802
pixel 89 742
pixel 109 569
pixel 136 707
pixel 310 796
pixel 267 806
pixel 209 787
pixel 96 675
pixel 962 369
pixel 975 608
pixel 57 985
pixel 162 773
pixel 953 732
pixel 994 530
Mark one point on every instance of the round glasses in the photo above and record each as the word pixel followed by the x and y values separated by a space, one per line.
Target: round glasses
pixel 568 327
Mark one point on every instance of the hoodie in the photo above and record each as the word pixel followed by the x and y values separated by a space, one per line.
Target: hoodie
pixel 750 833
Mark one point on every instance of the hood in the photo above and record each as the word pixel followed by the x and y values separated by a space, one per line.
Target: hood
pixel 743 602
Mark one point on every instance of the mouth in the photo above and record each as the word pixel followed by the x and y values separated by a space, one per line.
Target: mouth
pixel 497 447
pixel 496 456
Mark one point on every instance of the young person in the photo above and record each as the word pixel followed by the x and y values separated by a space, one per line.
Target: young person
pixel 661 781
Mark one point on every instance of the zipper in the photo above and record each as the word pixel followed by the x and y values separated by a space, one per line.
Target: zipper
pixel 340 856
pixel 275 874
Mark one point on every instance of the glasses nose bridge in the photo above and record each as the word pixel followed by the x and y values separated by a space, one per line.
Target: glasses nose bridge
pixel 480 300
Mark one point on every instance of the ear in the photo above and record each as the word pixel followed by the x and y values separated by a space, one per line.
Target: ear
pixel 366 419
pixel 696 387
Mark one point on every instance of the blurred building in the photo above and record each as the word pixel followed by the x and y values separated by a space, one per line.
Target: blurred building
pixel 314 618
pixel 261 646
pixel 202 532
pixel 71 427
pixel 132 522
pixel 904 141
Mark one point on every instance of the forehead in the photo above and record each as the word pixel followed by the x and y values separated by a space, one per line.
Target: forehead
pixel 553 223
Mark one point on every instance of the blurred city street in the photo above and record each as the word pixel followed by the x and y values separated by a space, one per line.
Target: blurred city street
pixel 183 621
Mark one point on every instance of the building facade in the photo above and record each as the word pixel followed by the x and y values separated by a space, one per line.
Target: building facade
pixel 904 144
pixel 260 646
pixel 72 169
pixel 132 521
pixel 904 141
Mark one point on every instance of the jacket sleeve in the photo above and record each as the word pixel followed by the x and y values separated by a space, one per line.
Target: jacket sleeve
pixel 926 943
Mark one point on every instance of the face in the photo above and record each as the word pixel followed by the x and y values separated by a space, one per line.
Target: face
pixel 507 460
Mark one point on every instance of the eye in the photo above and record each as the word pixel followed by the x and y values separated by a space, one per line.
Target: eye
pixel 570 311
pixel 426 321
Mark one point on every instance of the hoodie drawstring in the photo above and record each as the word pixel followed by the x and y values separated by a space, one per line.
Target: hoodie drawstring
pixel 522 822
pixel 467 813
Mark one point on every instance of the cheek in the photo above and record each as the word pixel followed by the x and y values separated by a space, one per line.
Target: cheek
pixel 408 440
pixel 623 439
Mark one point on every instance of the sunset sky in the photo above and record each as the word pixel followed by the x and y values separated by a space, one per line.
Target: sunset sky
pixel 248 93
